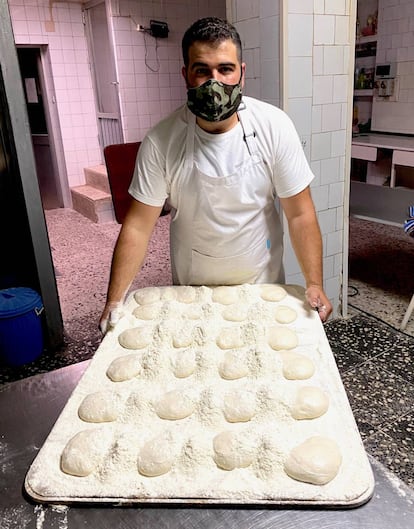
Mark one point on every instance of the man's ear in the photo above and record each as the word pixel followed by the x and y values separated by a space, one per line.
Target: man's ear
pixel 184 74
pixel 243 73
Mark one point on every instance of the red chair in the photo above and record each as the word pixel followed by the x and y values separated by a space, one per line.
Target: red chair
pixel 120 164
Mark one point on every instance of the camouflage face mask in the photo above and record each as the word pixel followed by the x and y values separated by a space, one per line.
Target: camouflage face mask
pixel 214 100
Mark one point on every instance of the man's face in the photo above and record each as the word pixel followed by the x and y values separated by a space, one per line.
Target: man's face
pixel 213 62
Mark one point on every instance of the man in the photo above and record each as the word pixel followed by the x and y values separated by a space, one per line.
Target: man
pixel 220 161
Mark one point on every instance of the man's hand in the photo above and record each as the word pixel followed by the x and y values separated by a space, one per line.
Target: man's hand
pixel 317 299
pixel 112 313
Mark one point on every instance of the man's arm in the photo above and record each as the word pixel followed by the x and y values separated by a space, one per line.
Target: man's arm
pixel 306 240
pixel 129 254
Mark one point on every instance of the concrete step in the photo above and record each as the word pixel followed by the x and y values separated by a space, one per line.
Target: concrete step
pixel 93 203
pixel 97 176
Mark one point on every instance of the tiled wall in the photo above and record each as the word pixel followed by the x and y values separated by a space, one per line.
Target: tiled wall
pixel 318 83
pixel 396 45
pixel 145 95
pixel 258 23
pixel 318 99
pixel 67 52
pixel 149 70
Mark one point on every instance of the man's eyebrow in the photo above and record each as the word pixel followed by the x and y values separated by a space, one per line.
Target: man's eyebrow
pixel 205 65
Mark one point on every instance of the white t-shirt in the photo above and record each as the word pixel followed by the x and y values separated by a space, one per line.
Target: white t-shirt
pixel 161 157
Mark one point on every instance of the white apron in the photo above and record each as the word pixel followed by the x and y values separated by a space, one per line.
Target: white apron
pixel 225 230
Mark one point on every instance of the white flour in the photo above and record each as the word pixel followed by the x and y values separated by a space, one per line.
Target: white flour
pixel 195 325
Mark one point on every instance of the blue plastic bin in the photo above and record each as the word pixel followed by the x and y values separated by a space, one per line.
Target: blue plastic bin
pixel 21 335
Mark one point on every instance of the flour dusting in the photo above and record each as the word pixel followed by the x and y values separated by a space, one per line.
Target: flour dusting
pixel 181 410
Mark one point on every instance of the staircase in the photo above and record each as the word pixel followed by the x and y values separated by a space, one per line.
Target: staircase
pixel 93 200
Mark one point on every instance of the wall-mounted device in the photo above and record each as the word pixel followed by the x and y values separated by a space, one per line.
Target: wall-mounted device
pixel 385 81
pixel 385 71
pixel 157 29
pixel 385 87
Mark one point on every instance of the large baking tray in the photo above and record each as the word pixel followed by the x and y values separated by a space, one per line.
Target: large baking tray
pixel 353 486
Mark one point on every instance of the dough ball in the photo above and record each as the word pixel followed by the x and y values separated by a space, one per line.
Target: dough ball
pixel 147 312
pixel 281 338
pixel 310 402
pixel 234 366
pixel 147 296
pixel 135 338
pixel 193 312
pixel 84 452
pixel 225 295
pixel 315 461
pixel 156 457
pixel 230 338
pixel 297 366
pixel 174 405
pixel 101 406
pixel 183 337
pixel 239 406
pixel 272 292
pixel 169 294
pixel 231 451
pixel 184 363
pixel 285 314
pixel 124 368
pixel 186 294
pixel 235 312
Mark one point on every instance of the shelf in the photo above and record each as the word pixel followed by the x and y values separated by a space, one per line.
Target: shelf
pixel 364 93
pixel 368 38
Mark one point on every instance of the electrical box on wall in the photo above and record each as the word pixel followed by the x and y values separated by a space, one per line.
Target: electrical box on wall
pixel 386 89
pixel 159 29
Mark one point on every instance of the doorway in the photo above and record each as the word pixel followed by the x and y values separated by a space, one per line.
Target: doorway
pixel 33 78
pixel 104 74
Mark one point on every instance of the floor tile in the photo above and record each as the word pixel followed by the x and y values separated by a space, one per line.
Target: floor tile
pixel 362 335
pixel 377 397
pixel 344 358
pixel 399 359
pixel 394 448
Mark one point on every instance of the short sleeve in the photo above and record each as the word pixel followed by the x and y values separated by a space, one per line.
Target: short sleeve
pixel 292 173
pixel 148 183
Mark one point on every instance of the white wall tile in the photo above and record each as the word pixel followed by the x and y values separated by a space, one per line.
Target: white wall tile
pixel 340 89
pixel 270 37
pixel 338 143
pixel 316 170
pixel 335 7
pixel 336 195
pixel 320 196
pixel 328 267
pixel 342 29
pixel 269 8
pixel 330 172
pixel 246 9
pixel 331 117
pixel 321 146
pixel 327 219
pixel 300 35
pixel 318 60
pixel 316 118
pixel 300 77
pixel 300 6
pixel 333 60
pixel 319 7
pixel 270 80
pixel 324 29
pixel 300 111
pixel 322 89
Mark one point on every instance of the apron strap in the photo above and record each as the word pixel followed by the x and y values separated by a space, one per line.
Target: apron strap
pixel 249 134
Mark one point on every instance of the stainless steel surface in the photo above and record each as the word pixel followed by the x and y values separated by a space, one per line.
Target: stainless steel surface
pixel 28 410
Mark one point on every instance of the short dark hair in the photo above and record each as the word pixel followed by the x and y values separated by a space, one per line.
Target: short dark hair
pixel 212 30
